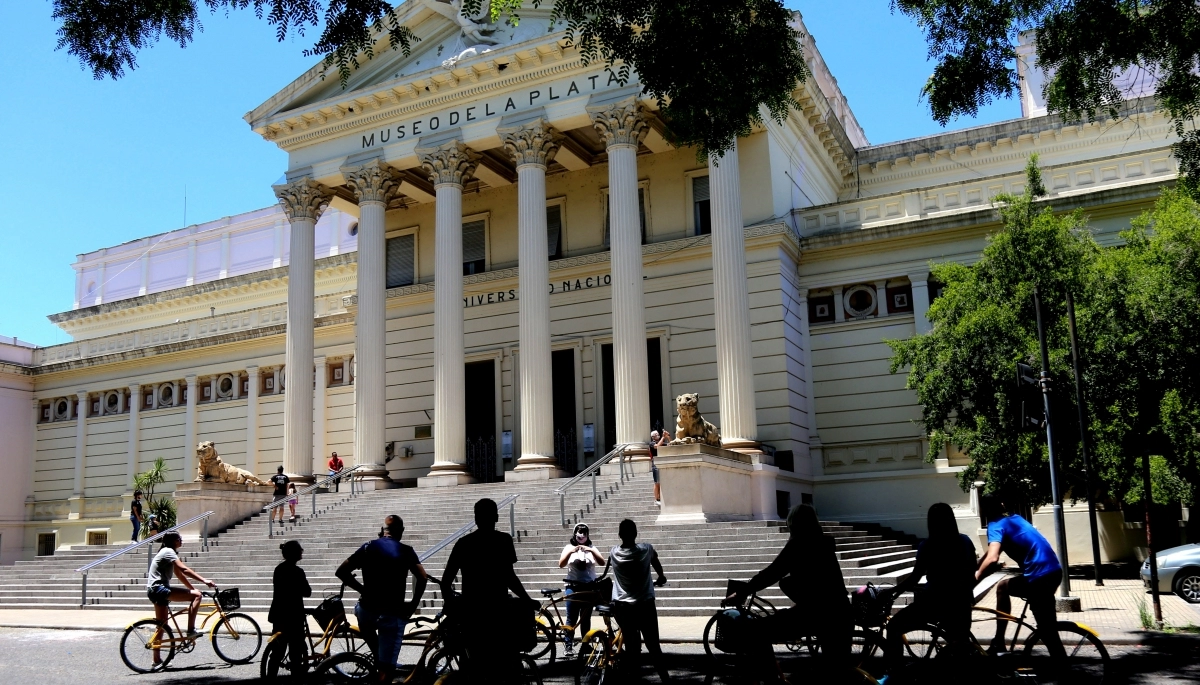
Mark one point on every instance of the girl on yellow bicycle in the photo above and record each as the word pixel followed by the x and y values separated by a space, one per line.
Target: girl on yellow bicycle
pixel 158 583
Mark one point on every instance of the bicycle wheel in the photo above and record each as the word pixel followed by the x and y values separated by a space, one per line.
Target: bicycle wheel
pixel 237 639
pixel 923 642
pixel 443 662
pixel 544 649
pixel 145 641
pixel 348 638
pixel 864 645
pixel 529 671
pixel 710 636
pixel 1087 659
pixel 346 667
pixel 276 664
pixel 593 659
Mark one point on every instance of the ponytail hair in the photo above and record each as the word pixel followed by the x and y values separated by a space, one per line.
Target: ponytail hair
pixel 170 540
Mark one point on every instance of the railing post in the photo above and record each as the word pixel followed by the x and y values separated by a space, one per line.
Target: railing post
pixel 562 507
pixel 593 488
pixel 204 536
pixel 314 502
pixel 270 523
pixel 149 558
pixel 512 518
pixel 83 591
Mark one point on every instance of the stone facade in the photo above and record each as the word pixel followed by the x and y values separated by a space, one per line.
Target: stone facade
pixel 765 281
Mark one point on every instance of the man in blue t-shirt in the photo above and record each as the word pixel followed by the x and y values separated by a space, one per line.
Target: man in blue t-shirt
pixel 1040 575
pixel 381 609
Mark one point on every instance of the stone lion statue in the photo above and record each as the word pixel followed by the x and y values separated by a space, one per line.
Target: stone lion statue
pixel 210 468
pixel 691 428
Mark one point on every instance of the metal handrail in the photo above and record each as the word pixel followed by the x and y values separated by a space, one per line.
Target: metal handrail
pixel 344 473
pixel 510 502
pixel 149 551
pixel 593 470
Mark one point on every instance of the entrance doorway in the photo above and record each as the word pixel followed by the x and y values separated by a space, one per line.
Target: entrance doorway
pixel 566 450
pixel 481 420
pixel 653 370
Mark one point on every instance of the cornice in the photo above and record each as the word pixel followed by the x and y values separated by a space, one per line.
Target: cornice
pixel 277 277
pixel 15 369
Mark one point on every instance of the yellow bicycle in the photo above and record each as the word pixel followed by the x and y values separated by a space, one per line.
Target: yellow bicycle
pixel 149 645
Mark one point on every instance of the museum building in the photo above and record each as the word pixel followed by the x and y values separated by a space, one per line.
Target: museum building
pixel 488 263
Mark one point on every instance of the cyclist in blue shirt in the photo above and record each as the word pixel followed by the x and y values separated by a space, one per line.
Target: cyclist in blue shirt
pixel 1040 576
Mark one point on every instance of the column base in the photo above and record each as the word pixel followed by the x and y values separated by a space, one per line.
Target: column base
pixel 75 504
pixel 538 472
pixel 742 445
pixel 373 477
pixel 299 479
pixel 444 479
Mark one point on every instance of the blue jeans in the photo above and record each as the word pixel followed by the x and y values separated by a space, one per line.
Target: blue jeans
pixel 137 525
pixel 576 610
pixel 383 632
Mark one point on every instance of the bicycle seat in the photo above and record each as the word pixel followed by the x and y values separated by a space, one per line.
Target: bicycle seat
pixel 550 591
pixel 604 609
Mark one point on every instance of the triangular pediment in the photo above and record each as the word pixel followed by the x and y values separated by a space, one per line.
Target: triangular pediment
pixel 444 42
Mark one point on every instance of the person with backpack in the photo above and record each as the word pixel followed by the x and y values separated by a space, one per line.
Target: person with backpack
pixel 280 481
pixel 1041 573
pixel 289 588
pixel 946 559
pixel 633 603
pixel 381 610
pixel 579 557
pixel 808 571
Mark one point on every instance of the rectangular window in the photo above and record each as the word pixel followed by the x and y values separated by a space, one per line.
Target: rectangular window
pixel 554 231
pixel 474 248
pixel 641 215
pixel 97 537
pixel 701 213
pixel 400 260
pixel 45 544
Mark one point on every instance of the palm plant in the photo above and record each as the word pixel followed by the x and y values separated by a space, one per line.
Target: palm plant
pixel 162 507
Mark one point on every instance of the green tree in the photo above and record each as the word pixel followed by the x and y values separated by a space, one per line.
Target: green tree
pixel 1081 44
pixel 964 370
pixel 712 66
pixel 162 507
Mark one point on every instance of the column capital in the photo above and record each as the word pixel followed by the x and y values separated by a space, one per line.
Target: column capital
pixel 372 181
pixel 620 123
pixel 319 361
pixel 82 395
pixel 535 142
pixel 303 198
pixel 190 379
pixel 252 371
pixel 135 386
pixel 921 277
pixel 452 163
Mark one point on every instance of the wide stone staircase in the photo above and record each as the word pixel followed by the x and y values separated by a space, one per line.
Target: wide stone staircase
pixel 697 558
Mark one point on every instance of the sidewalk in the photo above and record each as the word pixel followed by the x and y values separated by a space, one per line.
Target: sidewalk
pixel 1112 611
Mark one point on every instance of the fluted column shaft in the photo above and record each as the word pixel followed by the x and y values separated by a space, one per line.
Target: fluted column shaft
pixel 252 381
pixel 189 428
pixel 731 304
pixel 135 423
pixel 448 167
pixel 303 201
pixel 531 147
pixel 81 413
pixel 374 185
pixel 920 302
pixel 319 408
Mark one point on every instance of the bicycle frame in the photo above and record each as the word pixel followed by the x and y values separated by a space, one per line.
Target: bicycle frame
pixel 996 614
pixel 588 597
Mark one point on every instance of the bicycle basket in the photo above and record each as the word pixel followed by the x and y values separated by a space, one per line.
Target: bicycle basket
pixel 230 600
pixel 330 610
pixel 732 629
pixel 870 606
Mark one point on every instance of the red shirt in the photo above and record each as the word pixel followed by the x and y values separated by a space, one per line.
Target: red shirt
pixel 335 464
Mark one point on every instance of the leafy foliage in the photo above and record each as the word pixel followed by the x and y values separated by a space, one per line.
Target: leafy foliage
pixel 1139 349
pixel 712 66
pixel 107 34
pixel 162 507
pixel 1081 44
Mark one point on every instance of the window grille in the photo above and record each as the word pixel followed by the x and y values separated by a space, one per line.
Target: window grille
pixel 400 260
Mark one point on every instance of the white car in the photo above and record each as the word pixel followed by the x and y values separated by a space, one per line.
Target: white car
pixel 1178 572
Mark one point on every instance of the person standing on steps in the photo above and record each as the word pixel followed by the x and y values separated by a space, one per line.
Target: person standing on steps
pixel 1040 576
pixel 381 610
pixel 579 557
pixel 335 467
pixel 487 559
pixel 633 599
pixel 657 440
pixel 280 481
pixel 135 513
pixel 813 574
pixel 289 588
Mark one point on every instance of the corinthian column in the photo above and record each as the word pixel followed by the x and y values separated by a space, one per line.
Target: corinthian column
pixel 131 459
pixel 448 166
pixel 623 126
pixel 375 185
pixel 731 302
pixel 81 413
pixel 303 201
pixel 532 146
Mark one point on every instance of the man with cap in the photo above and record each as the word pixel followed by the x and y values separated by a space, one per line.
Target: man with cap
pixel 290 587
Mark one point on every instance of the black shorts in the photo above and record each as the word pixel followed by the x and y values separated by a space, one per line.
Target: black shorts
pixel 159 595
pixel 654 472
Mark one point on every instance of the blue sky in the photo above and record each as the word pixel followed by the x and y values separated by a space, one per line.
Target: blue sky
pixel 88 164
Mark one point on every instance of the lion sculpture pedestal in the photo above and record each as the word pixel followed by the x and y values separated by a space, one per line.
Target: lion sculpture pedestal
pixel 231 493
pixel 702 483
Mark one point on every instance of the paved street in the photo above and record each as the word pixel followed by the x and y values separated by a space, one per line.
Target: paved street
pixel 62 657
